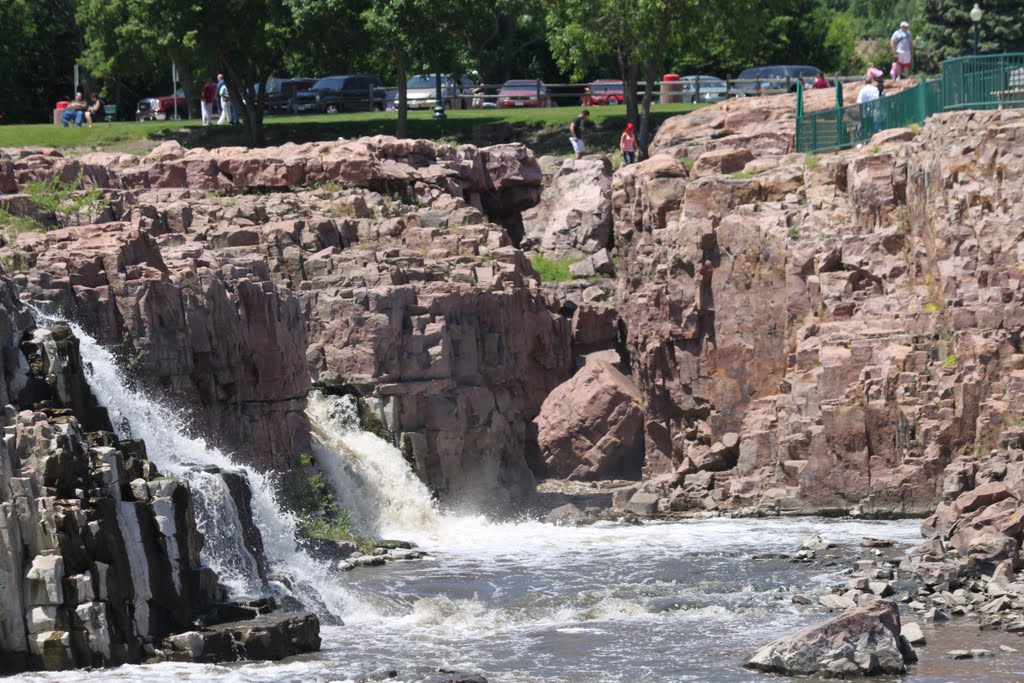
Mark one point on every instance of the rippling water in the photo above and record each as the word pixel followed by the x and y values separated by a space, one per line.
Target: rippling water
pixel 524 603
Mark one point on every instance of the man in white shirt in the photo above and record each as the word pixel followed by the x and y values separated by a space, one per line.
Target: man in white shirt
pixel 902 49
pixel 870 115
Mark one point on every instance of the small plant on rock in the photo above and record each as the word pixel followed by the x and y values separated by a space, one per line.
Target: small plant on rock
pixel 63 199
pixel 307 494
pixel 811 161
pixel 950 361
pixel 741 175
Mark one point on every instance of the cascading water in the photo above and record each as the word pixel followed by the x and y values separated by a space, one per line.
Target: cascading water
pixel 371 477
pixel 175 453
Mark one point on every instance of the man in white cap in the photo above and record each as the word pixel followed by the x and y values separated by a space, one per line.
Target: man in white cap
pixel 902 50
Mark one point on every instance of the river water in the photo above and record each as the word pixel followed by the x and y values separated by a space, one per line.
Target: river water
pixel 519 602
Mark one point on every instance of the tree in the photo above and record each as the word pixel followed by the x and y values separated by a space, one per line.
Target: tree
pixel 639 34
pixel 37 56
pixel 140 39
pixel 507 39
pixel 947 30
pixel 423 34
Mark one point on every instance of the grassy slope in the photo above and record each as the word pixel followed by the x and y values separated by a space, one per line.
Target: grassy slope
pixel 542 129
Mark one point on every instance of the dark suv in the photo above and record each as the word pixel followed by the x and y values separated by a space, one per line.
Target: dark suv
pixel 281 93
pixel 333 94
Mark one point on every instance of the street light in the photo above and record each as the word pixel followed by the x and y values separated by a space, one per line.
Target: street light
pixel 976 14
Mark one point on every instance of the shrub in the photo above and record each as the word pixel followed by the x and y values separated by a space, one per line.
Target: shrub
pixel 64 200
pixel 306 494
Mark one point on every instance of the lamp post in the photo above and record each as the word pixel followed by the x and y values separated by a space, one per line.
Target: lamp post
pixel 439 102
pixel 976 14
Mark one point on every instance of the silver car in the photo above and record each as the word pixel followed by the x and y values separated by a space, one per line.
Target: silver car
pixel 421 91
pixel 711 89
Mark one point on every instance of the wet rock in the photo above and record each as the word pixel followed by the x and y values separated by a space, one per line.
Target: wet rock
pixel 866 638
pixel 643 504
pixel 816 542
pixel 568 515
pixel 270 637
pixel 913 633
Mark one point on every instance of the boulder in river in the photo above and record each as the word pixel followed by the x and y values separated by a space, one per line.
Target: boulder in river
pixel 862 641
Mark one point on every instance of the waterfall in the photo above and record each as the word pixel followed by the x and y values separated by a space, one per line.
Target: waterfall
pixel 372 479
pixel 175 453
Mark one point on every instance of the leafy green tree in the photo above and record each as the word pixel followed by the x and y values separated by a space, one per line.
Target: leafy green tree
pixel 841 47
pixel 508 39
pixel 424 35
pixel 140 39
pixel 639 33
pixel 38 45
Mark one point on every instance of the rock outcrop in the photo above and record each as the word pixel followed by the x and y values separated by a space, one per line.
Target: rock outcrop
pixel 99 554
pixel 230 278
pixel 862 641
pixel 574 217
pixel 834 313
pixel 591 427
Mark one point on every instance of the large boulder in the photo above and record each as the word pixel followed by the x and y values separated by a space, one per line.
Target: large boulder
pixel 574 217
pixel 862 641
pixel 591 427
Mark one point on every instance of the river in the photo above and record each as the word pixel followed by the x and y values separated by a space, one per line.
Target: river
pixel 523 601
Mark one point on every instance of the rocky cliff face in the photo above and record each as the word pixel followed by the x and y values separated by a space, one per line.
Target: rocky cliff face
pixel 99 555
pixel 379 267
pixel 851 317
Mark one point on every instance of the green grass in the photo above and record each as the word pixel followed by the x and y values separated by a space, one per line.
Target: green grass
pixel 470 126
pixel 741 175
pixel 551 270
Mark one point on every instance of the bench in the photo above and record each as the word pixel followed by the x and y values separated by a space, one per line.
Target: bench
pixel 109 112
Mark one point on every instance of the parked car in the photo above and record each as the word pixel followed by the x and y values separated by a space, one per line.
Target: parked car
pixel 333 94
pixel 603 91
pixel 421 91
pixel 712 89
pixel 523 93
pixel 161 108
pixel 281 93
pixel 769 80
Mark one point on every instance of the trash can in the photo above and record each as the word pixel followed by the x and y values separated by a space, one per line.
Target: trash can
pixel 671 89
pixel 58 110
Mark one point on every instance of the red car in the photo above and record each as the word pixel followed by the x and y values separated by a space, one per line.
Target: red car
pixel 523 93
pixel 160 108
pixel 603 91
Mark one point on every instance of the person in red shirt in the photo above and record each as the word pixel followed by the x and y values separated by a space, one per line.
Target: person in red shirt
pixel 206 101
pixel 820 82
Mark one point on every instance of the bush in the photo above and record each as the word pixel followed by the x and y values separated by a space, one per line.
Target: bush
pixel 305 493
pixel 64 200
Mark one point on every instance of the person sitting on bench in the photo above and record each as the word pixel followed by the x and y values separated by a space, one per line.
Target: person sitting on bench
pixel 95 109
pixel 75 111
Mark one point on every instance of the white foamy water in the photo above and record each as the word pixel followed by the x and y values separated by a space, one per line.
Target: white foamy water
pixel 175 453
pixel 372 479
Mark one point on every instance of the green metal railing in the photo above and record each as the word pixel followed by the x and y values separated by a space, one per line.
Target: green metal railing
pixel 985 82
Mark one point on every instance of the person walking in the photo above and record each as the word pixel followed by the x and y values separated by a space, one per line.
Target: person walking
pixel 206 101
pixel 576 129
pixel 627 143
pixel 225 101
pixel 902 50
